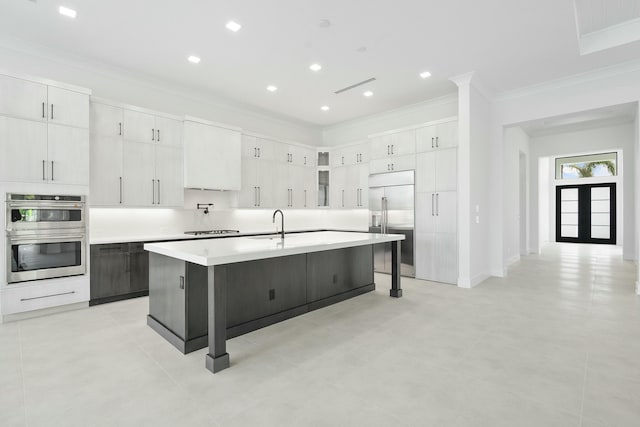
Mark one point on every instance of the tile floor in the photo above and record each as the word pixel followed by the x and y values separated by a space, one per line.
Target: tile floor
pixel 553 344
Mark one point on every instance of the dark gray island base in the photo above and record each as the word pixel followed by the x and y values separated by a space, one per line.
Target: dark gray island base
pixel 192 305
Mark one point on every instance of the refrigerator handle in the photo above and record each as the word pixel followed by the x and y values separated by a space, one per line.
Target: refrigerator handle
pixel 432 204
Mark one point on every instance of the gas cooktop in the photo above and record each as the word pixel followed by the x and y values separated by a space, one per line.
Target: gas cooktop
pixel 201 232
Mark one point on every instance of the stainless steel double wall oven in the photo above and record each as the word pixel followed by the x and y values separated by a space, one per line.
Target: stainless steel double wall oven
pixel 46 236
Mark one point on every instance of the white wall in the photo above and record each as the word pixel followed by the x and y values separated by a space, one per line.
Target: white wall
pixel 604 139
pixel 480 189
pixel 123 86
pixel 516 141
pixel 359 129
pixel 601 88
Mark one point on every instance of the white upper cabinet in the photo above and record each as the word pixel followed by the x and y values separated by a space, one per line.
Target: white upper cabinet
pixel 393 164
pixel 136 157
pixel 168 131
pixel 68 155
pixel 395 144
pixel 139 127
pixel 442 135
pixel 23 99
pixel 44 132
pixel 169 177
pixel 212 156
pixel 67 107
pixel 24 150
pixel 436 171
pixel 106 120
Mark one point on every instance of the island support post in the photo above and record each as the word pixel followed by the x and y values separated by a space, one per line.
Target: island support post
pixel 396 290
pixel 218 358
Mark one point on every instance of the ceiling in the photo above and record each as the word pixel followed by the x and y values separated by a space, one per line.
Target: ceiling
pixel 606 116
pixel 509 43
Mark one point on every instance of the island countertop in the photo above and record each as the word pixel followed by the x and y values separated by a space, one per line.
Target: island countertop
pixel 211 252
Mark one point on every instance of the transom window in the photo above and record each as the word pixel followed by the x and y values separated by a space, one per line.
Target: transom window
pixel 587 166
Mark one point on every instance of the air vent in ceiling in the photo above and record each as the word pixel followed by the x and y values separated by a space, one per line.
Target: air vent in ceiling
pixel 353 86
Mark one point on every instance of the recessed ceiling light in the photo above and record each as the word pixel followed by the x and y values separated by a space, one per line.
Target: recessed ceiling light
pixel 193 59
pixel 368 93
pixel 324 23
pixel 315 67
pixel 425 74
pixel 67 12
pixel 233 26
pixel 325 108
pixel 272 88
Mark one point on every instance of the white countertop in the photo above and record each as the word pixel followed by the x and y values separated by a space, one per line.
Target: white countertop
pixel 237 249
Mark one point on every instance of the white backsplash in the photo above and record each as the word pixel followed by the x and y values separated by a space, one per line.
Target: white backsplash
pixel 132 222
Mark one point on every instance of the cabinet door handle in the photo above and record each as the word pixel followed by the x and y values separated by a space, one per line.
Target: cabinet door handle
pixel 391 148
pixel 259 152
pixel 305 160
pixel 44 116
pixel 181 285
pixel 259 196
pixel 120 128
pixel 51 111
pixel 158 202
pixel 44 178
pixel 431 142
pixel 432 204
pixel 158 132
pixel 437 204
pixel 153 134
pixel 305 198
pixel 388 150
pixel 437 142
pixel 343 160
pixel 51 170
pixel 255 152
pixel 120 190
pixel 153 192
pixel 343 198
pixel 255 196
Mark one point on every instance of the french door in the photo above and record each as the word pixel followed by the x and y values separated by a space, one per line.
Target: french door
pixel 586 213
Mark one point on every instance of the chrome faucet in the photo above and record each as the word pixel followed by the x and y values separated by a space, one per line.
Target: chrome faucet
pixel 274 221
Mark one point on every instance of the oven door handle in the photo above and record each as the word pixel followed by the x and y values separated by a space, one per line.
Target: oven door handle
pixel 57 238
pixel 51 206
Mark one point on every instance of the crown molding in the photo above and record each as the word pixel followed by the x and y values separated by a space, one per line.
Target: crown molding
pixel 573 80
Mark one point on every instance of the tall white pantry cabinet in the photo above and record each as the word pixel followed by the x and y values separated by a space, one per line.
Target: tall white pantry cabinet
pixel 436 250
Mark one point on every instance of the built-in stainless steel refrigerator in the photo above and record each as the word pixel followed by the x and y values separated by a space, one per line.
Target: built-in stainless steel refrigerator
pixel 391 206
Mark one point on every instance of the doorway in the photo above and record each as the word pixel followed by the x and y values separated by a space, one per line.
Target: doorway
pixel 586 213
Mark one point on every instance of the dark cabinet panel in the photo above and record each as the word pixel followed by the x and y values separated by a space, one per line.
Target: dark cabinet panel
pixel 263 287
pixel 167 278
pixel 118 271
pixel 333 272
pixel 109 270
pixel 138 267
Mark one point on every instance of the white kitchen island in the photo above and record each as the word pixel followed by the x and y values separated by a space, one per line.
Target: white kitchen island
pixel 204 291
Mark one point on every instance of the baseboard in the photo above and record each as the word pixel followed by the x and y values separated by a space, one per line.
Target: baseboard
pixel 43 312
pixel 114 298
pixel 513 259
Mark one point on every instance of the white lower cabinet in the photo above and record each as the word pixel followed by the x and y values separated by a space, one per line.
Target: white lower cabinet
pixel 42 294
pixel 436 257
